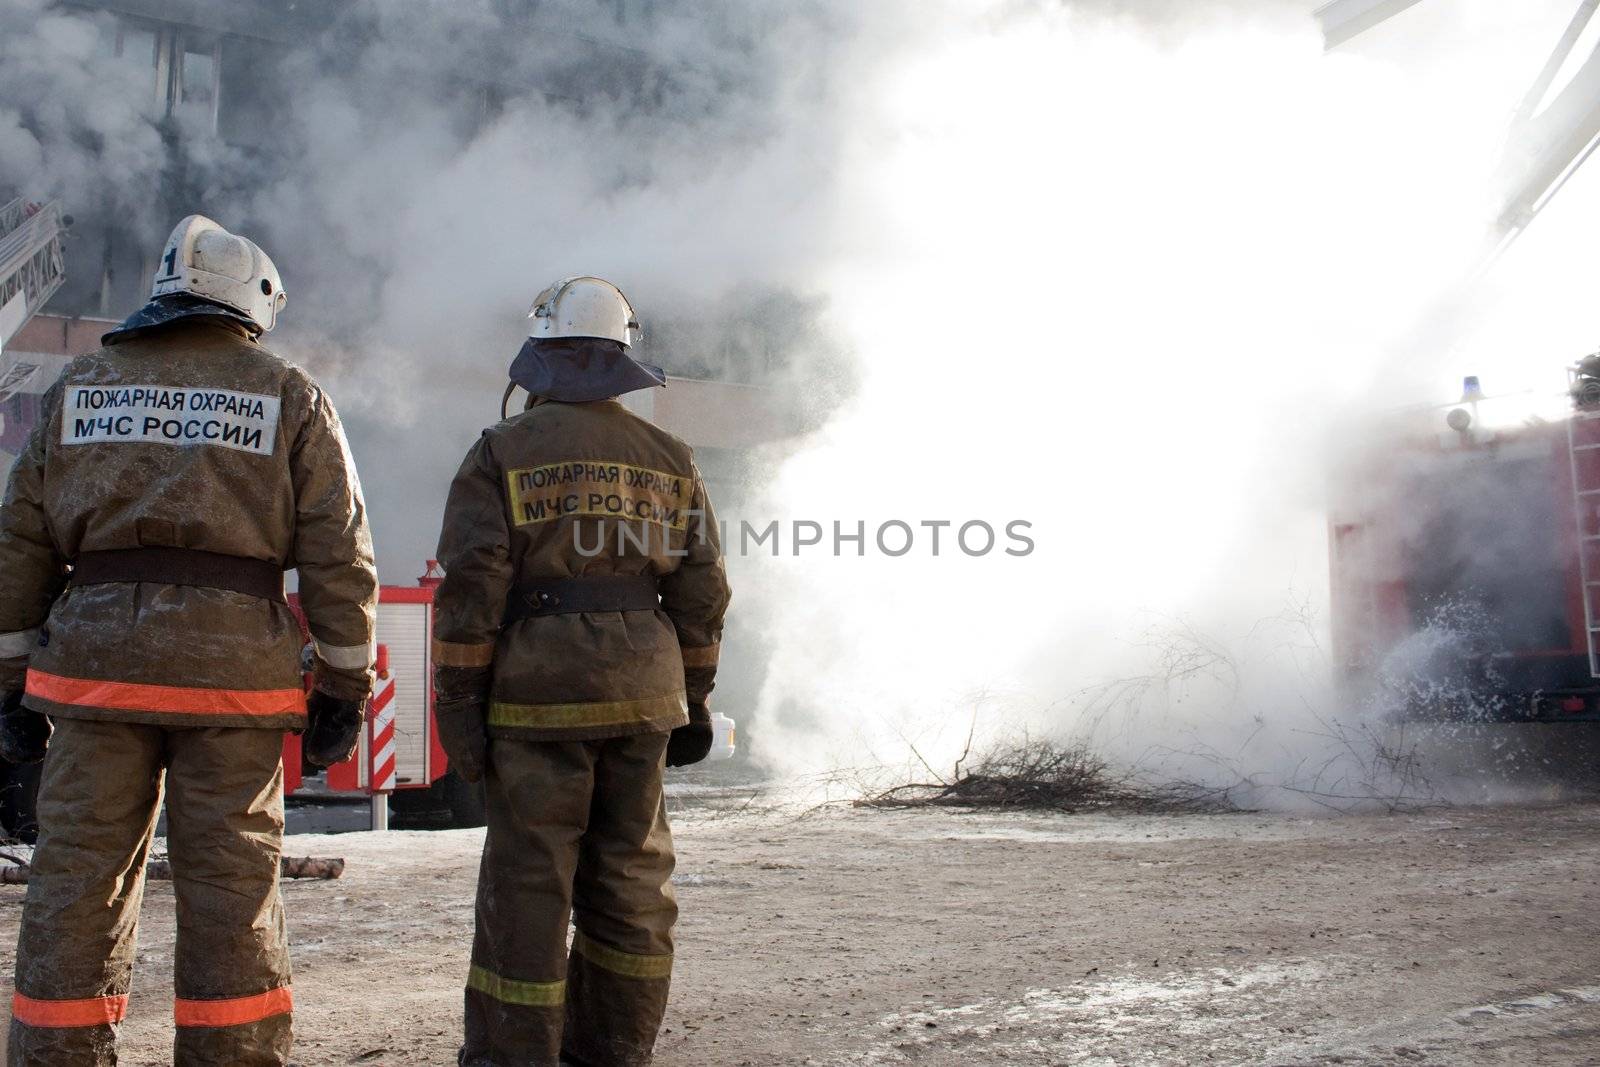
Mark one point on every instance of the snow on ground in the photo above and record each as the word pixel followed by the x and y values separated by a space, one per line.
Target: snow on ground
pixel 933 938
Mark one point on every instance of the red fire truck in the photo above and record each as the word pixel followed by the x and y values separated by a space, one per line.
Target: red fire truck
pixel 419 780
pixel 1466 559
pixel 420 775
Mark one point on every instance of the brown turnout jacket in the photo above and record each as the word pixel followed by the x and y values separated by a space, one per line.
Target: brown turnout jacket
pixel 192 436
pixel 573 490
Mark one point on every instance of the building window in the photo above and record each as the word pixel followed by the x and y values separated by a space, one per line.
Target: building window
pixel 134 46
pixel 194 87
pixel 184 65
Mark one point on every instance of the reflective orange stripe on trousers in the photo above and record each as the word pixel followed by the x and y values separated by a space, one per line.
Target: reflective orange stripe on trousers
pixel 164 699
pixel 235 1011
pixel 90 1011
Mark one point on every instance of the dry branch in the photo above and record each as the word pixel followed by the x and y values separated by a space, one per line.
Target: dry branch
pixel 1044 775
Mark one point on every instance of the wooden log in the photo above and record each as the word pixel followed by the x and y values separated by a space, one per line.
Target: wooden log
pixel 312 867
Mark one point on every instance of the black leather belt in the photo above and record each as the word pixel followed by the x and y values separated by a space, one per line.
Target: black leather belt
pixel 564 596
pixel 180 566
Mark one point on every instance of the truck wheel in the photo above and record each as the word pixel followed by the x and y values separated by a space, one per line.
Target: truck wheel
pixel 469 803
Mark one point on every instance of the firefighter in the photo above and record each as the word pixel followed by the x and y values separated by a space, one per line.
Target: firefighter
pixel 577 632
pixel 177 472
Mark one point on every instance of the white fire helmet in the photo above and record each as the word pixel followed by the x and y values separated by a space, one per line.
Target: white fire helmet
pixel 584 307
pixel 205 261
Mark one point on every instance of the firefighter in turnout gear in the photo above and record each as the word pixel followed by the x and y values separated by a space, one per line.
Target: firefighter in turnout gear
pixel 146 649
pixel 577 632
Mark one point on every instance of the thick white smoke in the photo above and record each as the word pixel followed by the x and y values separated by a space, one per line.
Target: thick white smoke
pixel 428 202
pixel 1126 285
pixel 66 124
pixel 71 125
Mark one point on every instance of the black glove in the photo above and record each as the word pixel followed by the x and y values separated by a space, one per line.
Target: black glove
pixel 691 743
pixel 24 733
pixel 463 694
pixel 461 732
pixel 333 727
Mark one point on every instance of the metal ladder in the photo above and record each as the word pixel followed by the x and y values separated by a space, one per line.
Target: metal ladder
pixel 32 266
pixel 1583 448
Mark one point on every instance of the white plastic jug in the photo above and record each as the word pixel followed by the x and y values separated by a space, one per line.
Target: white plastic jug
pixel 723 730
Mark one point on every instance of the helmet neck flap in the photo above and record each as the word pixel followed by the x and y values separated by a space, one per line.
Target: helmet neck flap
pixel 574 370
pixel 164 310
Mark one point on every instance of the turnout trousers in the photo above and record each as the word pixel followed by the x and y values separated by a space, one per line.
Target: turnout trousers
pixel 577 831
pixel 98 804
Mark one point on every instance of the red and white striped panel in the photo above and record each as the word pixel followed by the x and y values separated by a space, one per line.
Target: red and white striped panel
pixel 382 777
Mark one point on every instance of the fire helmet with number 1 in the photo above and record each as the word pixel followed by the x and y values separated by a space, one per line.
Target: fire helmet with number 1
pixel 205 270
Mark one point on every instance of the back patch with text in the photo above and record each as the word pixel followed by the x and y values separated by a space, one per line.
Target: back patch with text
pixel 166 415
pixel 599 489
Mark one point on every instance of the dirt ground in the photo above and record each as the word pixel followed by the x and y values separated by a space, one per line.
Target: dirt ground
pixel 859 937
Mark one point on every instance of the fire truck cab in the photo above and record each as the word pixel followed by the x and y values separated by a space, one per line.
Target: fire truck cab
pixel 406 760
pixel 1465 557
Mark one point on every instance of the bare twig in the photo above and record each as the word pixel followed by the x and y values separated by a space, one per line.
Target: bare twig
pixel 1044 775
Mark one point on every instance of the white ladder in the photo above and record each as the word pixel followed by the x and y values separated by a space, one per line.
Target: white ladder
pixel 32 266
pixel 1583 448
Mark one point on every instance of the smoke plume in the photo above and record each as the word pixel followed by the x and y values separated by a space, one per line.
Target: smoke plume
pixel 1128 282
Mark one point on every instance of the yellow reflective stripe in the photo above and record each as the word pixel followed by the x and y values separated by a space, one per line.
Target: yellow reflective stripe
pixel 600 713
pixel 511 991
pixel 450 654
pixel 705 656
pixel 627 964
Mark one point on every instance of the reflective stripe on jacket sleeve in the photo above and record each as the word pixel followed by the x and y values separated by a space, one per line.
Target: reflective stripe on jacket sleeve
pixel 345 657
pixel 453 654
